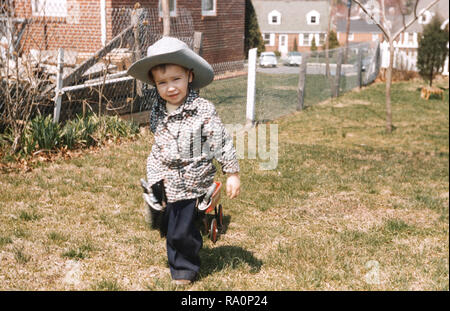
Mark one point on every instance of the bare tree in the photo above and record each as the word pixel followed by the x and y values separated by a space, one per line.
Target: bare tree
pixel 347 29
pixel 409 13
pixel 23 82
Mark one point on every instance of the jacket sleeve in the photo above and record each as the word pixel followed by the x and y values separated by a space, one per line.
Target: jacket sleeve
pixel 218 141
pixel 154 168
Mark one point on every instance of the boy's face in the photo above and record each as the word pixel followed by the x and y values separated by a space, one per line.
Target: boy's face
pixel 172 83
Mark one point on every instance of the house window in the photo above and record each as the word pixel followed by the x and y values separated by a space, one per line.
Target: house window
pixel 172 8
pixel 269 39
pixel 274 18
pixel 409 38
pixel 425 18
pixel 375 37
pixel 305 39
pixel 209 7
pixel 322 38
pixel 351 37
pixel 313 18
pixel 50 8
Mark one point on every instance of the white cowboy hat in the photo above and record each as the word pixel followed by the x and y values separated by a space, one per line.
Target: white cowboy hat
pixel 169 50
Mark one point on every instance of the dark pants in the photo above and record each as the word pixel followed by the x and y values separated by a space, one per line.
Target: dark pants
pixel 184 239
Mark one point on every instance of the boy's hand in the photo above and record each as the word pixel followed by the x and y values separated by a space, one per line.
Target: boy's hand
pixel 233 185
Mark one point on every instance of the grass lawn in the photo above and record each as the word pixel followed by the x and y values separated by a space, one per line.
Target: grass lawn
pixel 348 207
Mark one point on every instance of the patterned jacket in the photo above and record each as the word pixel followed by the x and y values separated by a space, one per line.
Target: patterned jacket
pixel 186 141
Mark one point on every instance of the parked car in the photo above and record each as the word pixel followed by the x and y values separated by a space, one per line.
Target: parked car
pixel 268 59
pixel 293 59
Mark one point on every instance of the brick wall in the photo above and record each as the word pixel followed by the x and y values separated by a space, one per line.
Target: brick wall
pixel 223 34
pixel 292 39
pixel 80 30
pixel 357 37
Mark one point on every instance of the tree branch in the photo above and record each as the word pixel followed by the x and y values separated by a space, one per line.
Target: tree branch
pixel 385 32
pixel 416 16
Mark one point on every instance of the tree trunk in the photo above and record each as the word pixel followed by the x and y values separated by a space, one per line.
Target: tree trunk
pixel 327 42
pixel 347 30
pixel 388 87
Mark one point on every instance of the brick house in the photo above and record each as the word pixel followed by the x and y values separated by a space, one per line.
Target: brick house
pixel 85 26
pixel 286 23
pixel 360 31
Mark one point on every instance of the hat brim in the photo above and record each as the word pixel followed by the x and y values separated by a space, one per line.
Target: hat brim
pixel 203 72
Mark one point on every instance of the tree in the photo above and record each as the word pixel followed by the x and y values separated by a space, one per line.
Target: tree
pixel 432 50
pixel 376 13
pixel 313 45
pixel 333 40
pixel 24 82
pixel 327 39
pixel 253 37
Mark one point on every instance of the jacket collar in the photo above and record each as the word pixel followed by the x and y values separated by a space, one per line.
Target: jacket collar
pixel 190 103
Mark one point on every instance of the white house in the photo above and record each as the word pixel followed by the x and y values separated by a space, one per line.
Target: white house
pixel 285 24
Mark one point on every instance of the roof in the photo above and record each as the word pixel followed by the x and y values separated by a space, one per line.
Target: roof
pixel 357 26
pixel 293 15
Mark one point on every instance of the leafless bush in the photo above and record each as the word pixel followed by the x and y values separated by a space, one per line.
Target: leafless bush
pixel 24 81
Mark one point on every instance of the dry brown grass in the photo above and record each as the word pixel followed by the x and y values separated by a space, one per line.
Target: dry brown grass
pixel 347 208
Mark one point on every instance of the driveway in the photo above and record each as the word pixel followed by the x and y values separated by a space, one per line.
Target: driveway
pixel 280 69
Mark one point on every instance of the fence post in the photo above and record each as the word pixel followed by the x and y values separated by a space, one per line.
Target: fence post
pixel 360 67
pixel 302 82
pixel 251 83
pixel 135 18
pixel 59 85
pixel 338 73
pixel 197 46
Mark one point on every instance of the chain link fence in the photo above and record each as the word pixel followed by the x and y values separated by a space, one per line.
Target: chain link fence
pixel 51 58
pixel 74 66
pixel 285 89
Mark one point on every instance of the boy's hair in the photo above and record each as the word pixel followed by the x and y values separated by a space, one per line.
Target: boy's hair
pixel 162 67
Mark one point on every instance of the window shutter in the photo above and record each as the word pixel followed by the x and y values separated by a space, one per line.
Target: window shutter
pixel 272 39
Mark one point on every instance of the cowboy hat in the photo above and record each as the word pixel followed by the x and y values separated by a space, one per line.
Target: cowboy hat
pixel 169 50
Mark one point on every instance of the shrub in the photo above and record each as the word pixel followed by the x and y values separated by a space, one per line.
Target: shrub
pixel 432 50
pixel 42 133
pixel 72 133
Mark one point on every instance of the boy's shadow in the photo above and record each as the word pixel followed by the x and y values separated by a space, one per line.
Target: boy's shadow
pixel 217 258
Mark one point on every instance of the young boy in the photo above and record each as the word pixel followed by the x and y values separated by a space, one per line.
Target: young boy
pixel 188 134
